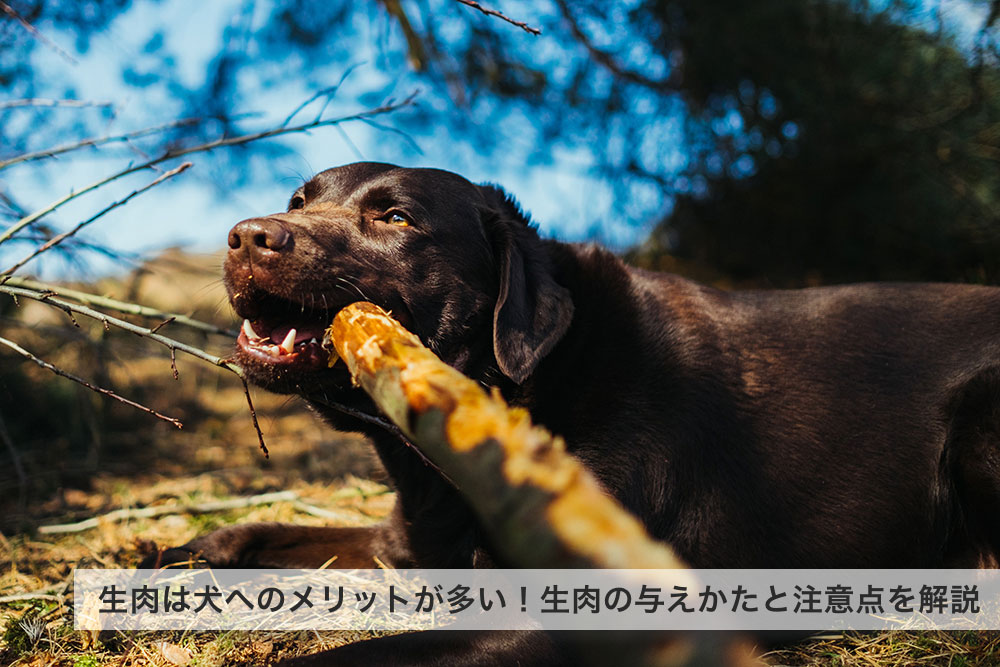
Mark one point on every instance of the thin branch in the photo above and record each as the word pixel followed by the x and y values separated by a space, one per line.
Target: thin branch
pixel 59 238
pixel 43 594
pixel 328 92
pixel 492 12
pixel 161 510
pixel 108 320
pixel 96 141
pixel 253 416
pixel 217 143
pixel 75 378
pixel 119 306
pixel 163 324
pixel 39 102
pixel 144 332
pixel 130 258
pixel 395 130
pixel 608 61
pixel 9 11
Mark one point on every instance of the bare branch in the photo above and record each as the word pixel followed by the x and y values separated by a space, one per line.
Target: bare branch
pixel 217 143
pixel 75 378
pixel 253 416
pixel 59 238
pixel 492 12
pixel 40 102
pixel 161 510
pixel 608 60
pixel 119 306
pixel 9 11
pixel 108 320
pixel 145 332
pixel 43 594
pixel 328 92
pixel 96 141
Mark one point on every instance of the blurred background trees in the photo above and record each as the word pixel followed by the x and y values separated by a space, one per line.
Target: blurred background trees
pixel 781 143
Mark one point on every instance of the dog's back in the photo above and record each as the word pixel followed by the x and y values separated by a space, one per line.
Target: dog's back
pixel 851 426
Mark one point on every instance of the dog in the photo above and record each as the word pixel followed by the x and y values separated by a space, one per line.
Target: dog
pixel 834 427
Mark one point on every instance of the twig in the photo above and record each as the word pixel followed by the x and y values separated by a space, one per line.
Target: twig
pixel 39 102
pixel 42 594
pixel 319 511
pixel 144 332
pixel 75 378
pixel 9 11
pixel 217 143
pixel 327 92
pixel 59 238
pixel 95 141
pixel 608 61
pixel 492 12
pixel 119 306
pixel 160 510
pixel 253 416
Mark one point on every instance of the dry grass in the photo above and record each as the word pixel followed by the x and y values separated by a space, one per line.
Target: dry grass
pixel 894 649
pixel 84 456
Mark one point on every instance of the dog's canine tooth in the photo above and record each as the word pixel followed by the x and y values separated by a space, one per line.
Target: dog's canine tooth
pixel 249 331
pixel 288 345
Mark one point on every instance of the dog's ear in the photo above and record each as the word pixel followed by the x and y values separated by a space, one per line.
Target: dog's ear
pixel 532 311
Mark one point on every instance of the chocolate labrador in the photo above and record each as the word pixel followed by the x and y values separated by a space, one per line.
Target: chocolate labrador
pixel 837 427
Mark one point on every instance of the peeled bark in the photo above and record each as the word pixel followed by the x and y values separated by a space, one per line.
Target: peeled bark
pixel 543 508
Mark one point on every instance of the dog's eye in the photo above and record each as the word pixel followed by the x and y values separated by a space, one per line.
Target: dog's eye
pixel 298 201
pixel 396 219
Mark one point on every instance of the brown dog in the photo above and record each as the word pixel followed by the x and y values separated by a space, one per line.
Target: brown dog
pixel 840 427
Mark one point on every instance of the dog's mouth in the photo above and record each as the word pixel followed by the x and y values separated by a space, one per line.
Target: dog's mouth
pixel 287 344
pixel 284 334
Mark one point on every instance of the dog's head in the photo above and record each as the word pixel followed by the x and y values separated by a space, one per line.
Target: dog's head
pixel 454 262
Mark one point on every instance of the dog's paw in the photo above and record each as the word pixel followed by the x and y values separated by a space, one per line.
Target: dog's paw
pixel 233 546
pixel 170 557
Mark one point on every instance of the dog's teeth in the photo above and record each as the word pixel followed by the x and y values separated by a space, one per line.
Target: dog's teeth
pixel 248 330
pixel 288 345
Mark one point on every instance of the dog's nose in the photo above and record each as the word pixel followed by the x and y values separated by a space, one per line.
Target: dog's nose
pixel 259 237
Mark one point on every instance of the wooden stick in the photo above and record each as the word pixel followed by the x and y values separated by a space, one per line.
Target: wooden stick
pixel 543 508
pixel 160 510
